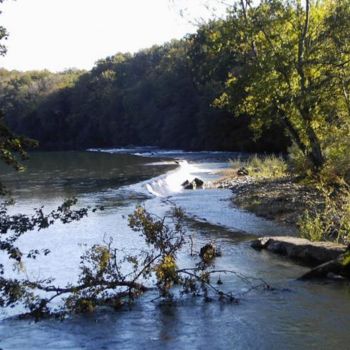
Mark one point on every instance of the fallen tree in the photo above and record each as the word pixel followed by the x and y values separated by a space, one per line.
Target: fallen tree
pixel 111 277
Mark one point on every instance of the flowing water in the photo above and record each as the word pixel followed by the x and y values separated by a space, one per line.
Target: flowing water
pixel 297 315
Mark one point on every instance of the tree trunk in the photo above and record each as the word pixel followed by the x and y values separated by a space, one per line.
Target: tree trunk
pixel 315 154
pixel 293 134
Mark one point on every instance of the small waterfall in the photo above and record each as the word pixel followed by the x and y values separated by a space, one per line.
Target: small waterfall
pixel 171 183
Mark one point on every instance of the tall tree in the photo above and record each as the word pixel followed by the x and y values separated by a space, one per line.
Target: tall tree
pixel 294 66
pixel 3 36
pixel 11 146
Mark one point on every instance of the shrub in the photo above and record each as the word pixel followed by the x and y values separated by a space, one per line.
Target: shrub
pixel 331 221
pixel 269 166
pixel 111 277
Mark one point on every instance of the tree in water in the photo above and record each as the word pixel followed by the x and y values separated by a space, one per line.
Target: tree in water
pixel 111 277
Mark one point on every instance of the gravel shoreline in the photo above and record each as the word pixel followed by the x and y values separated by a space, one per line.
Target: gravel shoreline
pixel 283 199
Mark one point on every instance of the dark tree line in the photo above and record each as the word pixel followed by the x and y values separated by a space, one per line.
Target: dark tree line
pixel 160 96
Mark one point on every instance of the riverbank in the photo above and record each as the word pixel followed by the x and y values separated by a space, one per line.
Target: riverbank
pixel 328 259
pixel 283 200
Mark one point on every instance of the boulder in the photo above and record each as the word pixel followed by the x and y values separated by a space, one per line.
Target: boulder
pixel 189 186
pixel 185 183
pixel 242 171
pixel 198 182
pixel 195 183
pixel 301 249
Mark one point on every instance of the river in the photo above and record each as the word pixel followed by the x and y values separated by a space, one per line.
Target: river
pixel 296 315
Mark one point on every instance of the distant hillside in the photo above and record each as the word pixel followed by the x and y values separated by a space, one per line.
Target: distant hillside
pixel 160 96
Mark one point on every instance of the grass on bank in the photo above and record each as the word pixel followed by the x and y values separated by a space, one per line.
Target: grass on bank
pixel 322 208
pixel 330 221
pixel 259 167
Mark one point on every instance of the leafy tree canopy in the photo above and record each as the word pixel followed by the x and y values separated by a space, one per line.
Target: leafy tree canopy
pixel 293 66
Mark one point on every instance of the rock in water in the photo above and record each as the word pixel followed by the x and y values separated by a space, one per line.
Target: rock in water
pixel 334 258
pixel 195 183
pixel 198 182
pixel 242 171
pixel 189 186
pixel 300 249
pixel 186 183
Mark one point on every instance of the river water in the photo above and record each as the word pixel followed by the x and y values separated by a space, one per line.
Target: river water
pixel 296 315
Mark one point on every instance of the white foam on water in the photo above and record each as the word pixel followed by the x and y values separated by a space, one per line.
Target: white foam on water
pixel 171 183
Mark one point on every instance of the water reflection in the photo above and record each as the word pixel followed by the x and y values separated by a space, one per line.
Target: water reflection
pixel 64 174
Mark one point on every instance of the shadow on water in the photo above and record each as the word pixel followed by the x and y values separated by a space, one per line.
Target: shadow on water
pixel 213 232
pixel 49 174
pixel 283 320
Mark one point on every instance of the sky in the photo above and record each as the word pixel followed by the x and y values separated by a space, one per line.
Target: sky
pixel 63 34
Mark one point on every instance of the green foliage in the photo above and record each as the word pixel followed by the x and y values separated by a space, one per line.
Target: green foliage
pixel 13 148
pixel 312 227
pixel 3 36
pixel 294 66
pixel 166 273
pixel 111 277
pixel 346 260
pixel 160 96
pixel 337 167
pixel 330 219
pixel 12 227
pixel 262 167
pixel 299 164
pixel 116 102
pixel 277 65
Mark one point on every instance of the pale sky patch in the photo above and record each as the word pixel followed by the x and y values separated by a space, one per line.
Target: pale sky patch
pixel 61 34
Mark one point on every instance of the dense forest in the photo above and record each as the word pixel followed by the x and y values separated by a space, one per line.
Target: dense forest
pixel 263 78
pixel 160 96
